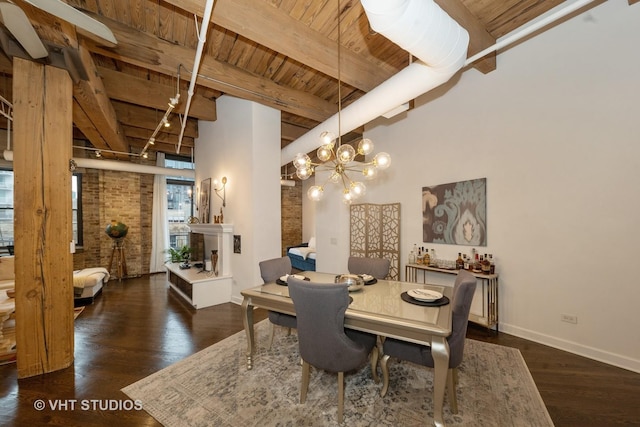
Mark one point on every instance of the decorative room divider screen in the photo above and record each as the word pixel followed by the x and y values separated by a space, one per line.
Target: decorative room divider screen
pixel 375 232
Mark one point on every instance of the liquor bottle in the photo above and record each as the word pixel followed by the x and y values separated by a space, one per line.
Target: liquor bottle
pixel 493 264
pixel 459 262
pixel 472 259
pixel 477 267
pixel 412 257
pixel 432 259
pixel 466 261
pixel 486 265
pixel 426 258
pixel 419 257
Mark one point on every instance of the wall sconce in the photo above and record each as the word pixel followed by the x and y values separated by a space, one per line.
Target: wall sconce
pixel 221 187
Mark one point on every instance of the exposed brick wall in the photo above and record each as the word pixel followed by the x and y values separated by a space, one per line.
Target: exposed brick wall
pixel 291 216
pixel 128 197
pixel 122 196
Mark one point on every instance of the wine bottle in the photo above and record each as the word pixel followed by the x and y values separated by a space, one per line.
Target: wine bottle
pixel 459 262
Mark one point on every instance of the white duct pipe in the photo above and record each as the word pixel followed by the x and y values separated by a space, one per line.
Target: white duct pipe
pixel 287 182
pixel 309 141
pixel 202 37
pixel 132 167
pixel 423 29
pixel 122 166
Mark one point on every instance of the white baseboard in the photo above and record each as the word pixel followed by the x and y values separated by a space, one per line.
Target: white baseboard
pixel 573 347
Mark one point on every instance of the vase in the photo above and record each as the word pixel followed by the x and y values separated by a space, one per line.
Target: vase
pixel 214 261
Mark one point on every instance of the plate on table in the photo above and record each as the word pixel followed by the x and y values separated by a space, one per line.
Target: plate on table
pixel 368 279
pixel 425 295
pixel 283 279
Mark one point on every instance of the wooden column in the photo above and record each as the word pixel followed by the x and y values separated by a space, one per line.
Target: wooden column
pixel 42 140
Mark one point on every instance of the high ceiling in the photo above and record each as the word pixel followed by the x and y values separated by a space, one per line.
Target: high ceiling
pixel 281 53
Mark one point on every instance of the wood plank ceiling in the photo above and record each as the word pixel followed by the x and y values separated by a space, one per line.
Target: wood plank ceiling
pixel 282 53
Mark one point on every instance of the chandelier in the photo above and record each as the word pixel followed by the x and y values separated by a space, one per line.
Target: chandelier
pixel 339 162
pixel 338 159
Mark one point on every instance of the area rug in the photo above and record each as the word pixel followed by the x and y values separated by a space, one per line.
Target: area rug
pixel 214 388
pixel 77 311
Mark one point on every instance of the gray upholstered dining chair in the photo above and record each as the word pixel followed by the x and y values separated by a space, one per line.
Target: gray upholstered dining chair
pixel 270 271
pixel 323 341
pixel 377 267
pixel 463 291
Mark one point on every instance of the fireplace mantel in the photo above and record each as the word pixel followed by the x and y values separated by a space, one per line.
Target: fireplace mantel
pixel 220 237
pixel 211 229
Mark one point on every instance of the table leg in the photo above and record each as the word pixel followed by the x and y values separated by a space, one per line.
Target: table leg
pixel 247 319
pixel 440 353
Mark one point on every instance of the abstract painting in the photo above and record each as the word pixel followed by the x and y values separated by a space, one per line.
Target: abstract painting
pixel 455 213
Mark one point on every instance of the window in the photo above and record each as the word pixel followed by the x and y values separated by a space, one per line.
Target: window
pixel 6 208
pixel 180 204
pixel 76 207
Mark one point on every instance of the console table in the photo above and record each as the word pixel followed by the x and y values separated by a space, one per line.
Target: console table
pixel 199 288
pixel 484 308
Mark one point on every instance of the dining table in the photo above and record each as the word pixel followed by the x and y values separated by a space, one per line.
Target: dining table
pixel 379 308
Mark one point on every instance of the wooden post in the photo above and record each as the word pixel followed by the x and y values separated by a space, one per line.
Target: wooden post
pixel 42 136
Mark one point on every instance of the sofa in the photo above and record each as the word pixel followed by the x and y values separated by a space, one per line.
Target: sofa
pixel 87 284
pixel 303 256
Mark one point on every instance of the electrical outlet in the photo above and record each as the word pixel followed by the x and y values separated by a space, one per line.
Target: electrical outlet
pixel 569 318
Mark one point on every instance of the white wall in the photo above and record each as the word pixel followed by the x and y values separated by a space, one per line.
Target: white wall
pixel 308 212
pixel 555 131
pixel 244 145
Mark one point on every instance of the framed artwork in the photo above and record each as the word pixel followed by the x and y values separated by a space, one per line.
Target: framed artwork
pixel 455 213
pixel 205 201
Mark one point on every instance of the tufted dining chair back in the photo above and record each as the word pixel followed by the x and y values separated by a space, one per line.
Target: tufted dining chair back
pixel 322 339
pixel 376 267
pixel 463 291
pixel 270 271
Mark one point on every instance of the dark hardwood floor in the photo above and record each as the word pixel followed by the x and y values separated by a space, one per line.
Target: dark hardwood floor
pixel 137 327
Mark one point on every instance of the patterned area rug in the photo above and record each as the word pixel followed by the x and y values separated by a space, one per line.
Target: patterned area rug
pixel 214 388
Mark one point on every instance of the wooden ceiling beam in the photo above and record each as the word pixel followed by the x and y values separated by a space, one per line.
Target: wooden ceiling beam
pixel 162 137
pixel 479 37
pixel 134 115
pixel 290 132
pixel 147 51
pixel 84 125
pixel 315 50
pixel 299 42
pixel 129 88
pixel 162 147
pixel 91 97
